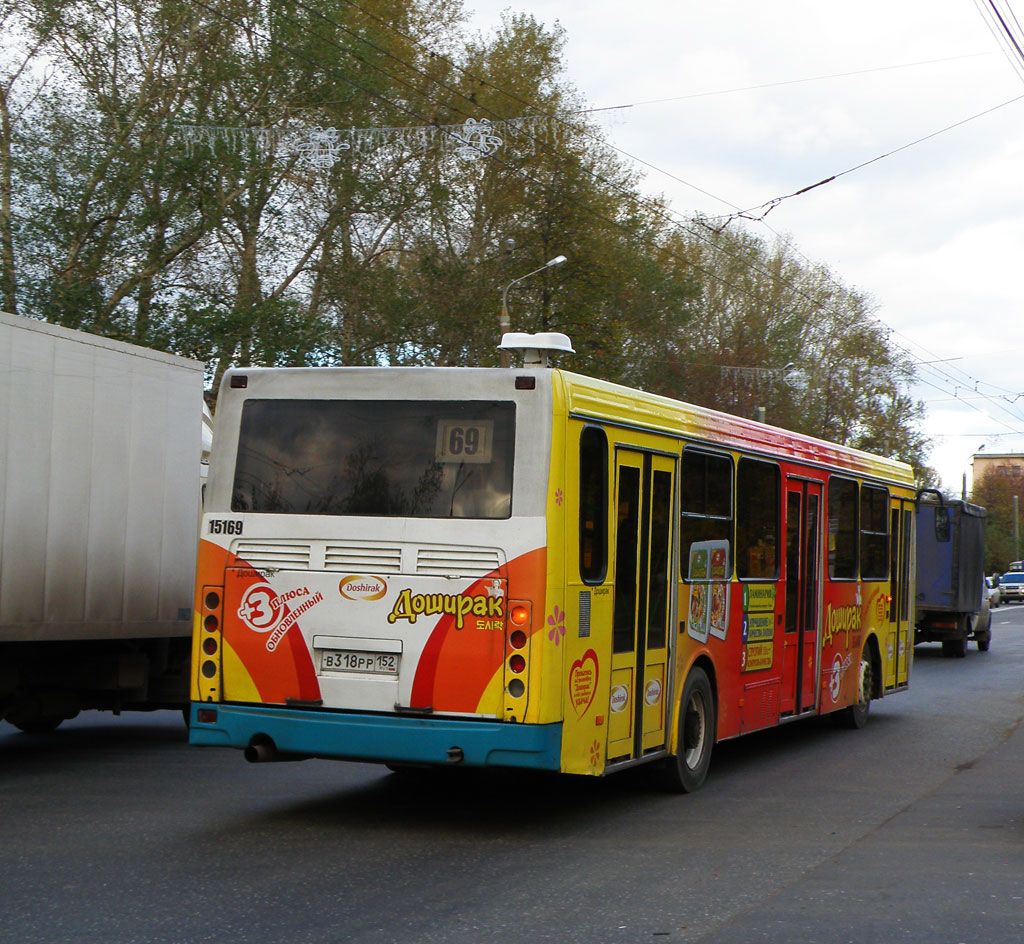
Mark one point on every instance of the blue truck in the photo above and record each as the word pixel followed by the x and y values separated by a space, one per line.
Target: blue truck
pixel 950 574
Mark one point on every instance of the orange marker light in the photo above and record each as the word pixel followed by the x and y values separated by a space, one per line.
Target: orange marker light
pixel 520 614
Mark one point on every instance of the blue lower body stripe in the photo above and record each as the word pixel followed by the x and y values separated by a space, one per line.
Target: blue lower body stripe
pixel 382 738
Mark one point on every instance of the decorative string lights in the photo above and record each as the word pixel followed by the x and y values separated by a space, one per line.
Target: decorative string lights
pixel 321 148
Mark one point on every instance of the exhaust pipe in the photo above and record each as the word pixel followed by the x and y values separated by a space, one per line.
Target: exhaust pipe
pixel 261 752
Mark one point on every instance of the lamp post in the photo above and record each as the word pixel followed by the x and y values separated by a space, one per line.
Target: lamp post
pixel 1016 527
pixel 504 322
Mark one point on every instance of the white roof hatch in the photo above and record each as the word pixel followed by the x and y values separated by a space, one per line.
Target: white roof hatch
pixel 536 348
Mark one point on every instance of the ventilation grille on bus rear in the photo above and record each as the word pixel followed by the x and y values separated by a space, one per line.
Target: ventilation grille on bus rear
pixel 365 558
pixel 461 561
pixel 280 555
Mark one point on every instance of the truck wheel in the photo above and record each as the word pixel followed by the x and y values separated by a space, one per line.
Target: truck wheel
pixel 687 769
pixel 42 725
pixel 954 648
pixel 856 716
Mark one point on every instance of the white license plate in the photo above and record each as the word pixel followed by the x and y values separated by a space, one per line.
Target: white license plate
pixel 364 663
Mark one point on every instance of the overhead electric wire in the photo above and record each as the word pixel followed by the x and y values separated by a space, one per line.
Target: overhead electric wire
pixel 995 419
pixel 615 224
pixel 406 110
pixel 1014 15
pixel 949 378
pixel 784 83
pixel 1002 34
pixel 770 205
pixel 521 101
pixel 957 399
pixel 977 435
pixel 1006 29
pixel 633 157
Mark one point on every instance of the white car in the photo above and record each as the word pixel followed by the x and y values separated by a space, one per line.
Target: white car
pixel 1011 587
pixel 995 594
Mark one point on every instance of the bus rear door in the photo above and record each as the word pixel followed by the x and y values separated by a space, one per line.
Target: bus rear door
pixel 644 492
pixel 899 641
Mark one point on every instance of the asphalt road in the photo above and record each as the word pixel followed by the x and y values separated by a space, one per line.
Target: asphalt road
pixel 116 831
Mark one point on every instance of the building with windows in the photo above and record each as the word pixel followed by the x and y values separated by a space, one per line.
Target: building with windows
pixel 1010 464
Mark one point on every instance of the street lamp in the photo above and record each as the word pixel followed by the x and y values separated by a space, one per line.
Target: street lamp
pixel 504 322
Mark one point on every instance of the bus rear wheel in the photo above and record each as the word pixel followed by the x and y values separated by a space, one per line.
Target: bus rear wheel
pixel 686 770
pixel 856 716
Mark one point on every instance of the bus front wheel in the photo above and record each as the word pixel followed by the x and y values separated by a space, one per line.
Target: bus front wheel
pixel 686 770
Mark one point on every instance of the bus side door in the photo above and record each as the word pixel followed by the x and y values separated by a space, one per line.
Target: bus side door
pixel 803 596
pixel 643 540
pixel 899 639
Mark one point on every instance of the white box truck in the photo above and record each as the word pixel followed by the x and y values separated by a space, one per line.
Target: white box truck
pixel 100 479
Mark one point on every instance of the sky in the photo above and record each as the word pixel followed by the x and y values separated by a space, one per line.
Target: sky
pixel 732 104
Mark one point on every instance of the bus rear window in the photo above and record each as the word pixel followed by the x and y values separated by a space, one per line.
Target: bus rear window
pixel 385 458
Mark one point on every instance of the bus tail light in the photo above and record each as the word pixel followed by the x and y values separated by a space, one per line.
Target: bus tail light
pixel 519 614
pixel 208 655
pixel 520 621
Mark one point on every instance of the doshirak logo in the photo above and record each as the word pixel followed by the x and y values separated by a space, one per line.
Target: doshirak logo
pixel 362 588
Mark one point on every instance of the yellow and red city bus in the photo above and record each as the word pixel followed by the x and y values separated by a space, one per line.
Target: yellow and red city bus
pixel 532 568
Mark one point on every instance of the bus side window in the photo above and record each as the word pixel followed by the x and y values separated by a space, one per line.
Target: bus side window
pixel 758 505
pixel 593 504
pixel 842 529
pixel 706 513
pixel 874 532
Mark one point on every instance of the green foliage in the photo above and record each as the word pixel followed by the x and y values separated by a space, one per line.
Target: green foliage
pixel 995 493
pixel 776 333
pixel 239 256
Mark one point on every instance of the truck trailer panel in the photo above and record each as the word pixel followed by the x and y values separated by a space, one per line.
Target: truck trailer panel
pixel 100 448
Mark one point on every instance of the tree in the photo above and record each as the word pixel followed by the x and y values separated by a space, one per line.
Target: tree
pixel 239 251
pixel 995 493
pixel 775 332
pixel 20 83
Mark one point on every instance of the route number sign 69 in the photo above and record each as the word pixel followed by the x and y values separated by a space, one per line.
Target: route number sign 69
pixel 464 441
